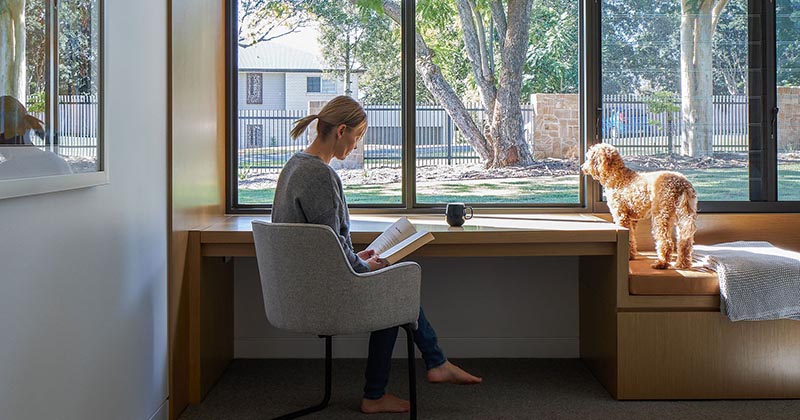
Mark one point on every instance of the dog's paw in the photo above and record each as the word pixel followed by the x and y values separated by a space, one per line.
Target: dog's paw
pixel 660 265
pixel 683 264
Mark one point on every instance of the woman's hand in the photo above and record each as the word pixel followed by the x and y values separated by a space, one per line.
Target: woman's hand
pixel 376 263
pixel 366 254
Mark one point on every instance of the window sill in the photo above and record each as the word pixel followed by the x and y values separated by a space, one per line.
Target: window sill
pixel 47 184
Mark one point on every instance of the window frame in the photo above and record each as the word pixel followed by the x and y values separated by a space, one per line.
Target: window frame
pixel 762 176
pixel 319 84
pixel 763 167
pixel 19 187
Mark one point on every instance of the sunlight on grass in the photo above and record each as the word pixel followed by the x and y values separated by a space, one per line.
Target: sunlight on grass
pixel 728 184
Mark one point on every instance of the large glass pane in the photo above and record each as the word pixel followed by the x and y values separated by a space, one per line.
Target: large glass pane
pixel 498 122
pixel 292 60
pixel 788 80
pixel 78 84
pixel 674 90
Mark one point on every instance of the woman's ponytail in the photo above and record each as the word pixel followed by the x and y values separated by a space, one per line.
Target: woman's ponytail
pixel 301 125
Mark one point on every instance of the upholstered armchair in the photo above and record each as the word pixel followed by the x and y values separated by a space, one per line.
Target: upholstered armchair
pixel 309 287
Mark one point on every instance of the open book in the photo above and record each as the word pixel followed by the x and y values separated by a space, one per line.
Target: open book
pixel 399 240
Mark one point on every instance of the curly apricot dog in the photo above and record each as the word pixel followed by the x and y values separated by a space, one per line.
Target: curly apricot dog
pixel 668 197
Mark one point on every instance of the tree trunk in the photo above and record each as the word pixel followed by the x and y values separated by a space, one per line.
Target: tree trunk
pixel 12 49
pixel 506 132
pixel 441 90
pixel 503 142
pixel 348 65
pixel 698 22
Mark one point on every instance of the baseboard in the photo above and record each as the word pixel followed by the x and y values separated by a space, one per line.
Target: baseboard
pixel 162 413
pixel 356 347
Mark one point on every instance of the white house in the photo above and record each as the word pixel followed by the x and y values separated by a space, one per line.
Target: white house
pixel 276 76
pixel 276 84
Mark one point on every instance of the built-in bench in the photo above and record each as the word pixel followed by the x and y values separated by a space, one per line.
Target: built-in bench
pixel 643 280
pixel 673 342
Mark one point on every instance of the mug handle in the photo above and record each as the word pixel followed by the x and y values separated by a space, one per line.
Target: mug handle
pixel 470 212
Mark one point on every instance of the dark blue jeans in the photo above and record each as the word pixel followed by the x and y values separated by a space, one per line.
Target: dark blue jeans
pixel 381 344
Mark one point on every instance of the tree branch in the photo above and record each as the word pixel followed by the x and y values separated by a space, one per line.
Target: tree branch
pixel 440 89
pixel 716 13
pixel 472 43
pixel 482 40
pixel 500 24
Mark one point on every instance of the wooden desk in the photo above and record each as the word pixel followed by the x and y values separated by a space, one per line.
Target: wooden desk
pixel 602 249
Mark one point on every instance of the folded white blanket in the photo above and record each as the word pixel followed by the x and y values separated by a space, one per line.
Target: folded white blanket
pixel 757 281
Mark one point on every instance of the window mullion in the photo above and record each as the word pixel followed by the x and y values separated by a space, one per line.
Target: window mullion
pixel 762 101
pixel 409 104
pixel 592 103
pixel 771 100
pixel 51 76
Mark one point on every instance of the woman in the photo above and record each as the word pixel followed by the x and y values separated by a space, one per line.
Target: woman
pixel 310 191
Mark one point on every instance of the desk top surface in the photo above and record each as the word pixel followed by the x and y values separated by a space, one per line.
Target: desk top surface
pixel 488 228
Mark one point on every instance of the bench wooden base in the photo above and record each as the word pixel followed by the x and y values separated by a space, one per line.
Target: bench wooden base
pixel 677 345
pixel 703 355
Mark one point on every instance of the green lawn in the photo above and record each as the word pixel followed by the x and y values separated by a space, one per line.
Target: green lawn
pixel 729 184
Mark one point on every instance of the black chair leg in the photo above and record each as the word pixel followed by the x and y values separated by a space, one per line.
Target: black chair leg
pixel 324 403
pixel 412 376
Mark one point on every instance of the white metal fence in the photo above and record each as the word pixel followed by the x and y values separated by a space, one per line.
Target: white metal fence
pixel 265 144
pixel 77 125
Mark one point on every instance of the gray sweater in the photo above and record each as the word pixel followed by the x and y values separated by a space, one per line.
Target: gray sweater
pixel 310 191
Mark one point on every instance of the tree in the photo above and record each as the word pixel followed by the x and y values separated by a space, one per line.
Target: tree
pixel 500 141
pixel 730 50
pixel 25 63
pixel 353 38
pixel 663 102
pixel 35 50
pixel 699 20
pixel 265 20
pixel 78 31
pixel 552 60
pixel 12 49
pixel 788 46
pixel 640 37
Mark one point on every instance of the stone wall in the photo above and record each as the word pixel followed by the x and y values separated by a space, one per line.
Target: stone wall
pixel 788 119
pixel 557 130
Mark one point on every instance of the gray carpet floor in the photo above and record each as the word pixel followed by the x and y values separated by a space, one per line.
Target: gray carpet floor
pixel 512 389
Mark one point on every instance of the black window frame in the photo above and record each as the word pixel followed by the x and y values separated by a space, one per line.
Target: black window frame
pixel 763 166
pixel 762 116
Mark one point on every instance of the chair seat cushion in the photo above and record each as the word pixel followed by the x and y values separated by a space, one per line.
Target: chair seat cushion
pixel 645 280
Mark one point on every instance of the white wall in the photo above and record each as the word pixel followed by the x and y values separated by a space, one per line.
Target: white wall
pixel 297 97
pixel 83 289
pixel 480 307
pixel 273 91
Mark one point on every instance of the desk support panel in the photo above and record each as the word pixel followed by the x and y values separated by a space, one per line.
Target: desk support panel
pixel 210 324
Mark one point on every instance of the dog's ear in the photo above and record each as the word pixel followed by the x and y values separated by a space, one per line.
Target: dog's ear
pixel 611 159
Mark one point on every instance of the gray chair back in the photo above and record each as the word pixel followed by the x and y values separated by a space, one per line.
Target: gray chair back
pixel 308 286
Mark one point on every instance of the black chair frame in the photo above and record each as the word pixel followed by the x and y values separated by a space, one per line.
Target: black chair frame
pixel 412 381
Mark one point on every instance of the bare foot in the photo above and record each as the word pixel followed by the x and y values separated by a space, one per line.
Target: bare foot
pixel 453 374
pixel 385 404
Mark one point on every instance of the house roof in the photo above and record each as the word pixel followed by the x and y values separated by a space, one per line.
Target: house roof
pixel 275 57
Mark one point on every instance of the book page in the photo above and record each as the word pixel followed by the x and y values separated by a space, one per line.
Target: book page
pixel 406 246
pixel 394 234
